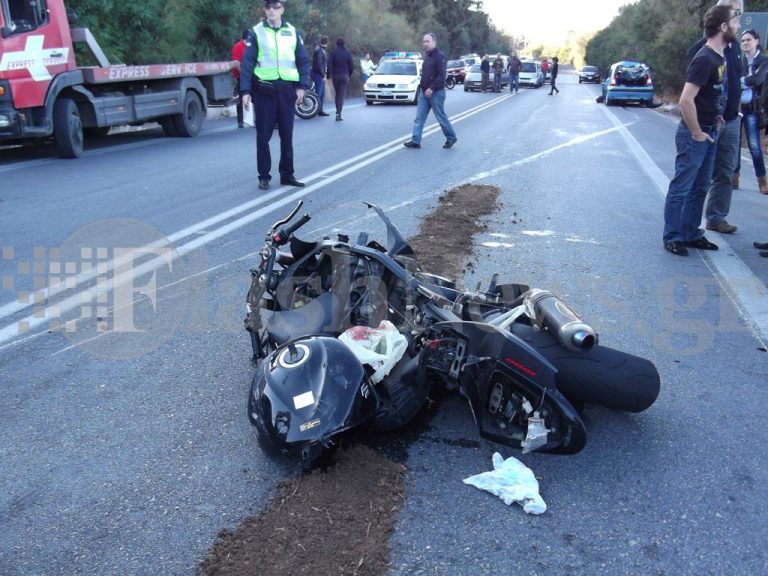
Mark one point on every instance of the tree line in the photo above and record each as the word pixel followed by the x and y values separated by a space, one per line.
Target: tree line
pixel 658 33
pixel 158 31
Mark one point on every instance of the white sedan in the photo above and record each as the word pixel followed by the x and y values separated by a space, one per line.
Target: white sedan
pixel 395 80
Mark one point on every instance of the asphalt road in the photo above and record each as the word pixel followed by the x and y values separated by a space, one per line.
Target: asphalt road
pixel 126 452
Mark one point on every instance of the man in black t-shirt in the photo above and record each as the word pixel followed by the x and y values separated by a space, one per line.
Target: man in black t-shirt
pixel 718 204
pixel 701 105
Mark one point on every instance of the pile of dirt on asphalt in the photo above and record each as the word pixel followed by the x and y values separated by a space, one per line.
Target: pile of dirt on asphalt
pixel 444 240
pixel 328 522
pixel 338 521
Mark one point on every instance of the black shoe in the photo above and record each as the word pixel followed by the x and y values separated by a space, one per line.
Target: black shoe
pixel 702 244
pixel 760 245
pixel 676 247
pixel 291 181
pixel 411 144
pixel 263 183
pixel 763 253
pixel 240 125
pixel 321 113
pixel 449 143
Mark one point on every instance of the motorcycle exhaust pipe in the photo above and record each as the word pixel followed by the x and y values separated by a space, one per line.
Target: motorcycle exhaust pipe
pixel 548 312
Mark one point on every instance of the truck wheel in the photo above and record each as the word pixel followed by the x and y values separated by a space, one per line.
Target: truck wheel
pixel 96 131
pixel 67 128
pixel 168 126
pixel 190 121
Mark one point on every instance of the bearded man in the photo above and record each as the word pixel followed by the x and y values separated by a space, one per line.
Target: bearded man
pixel 702 104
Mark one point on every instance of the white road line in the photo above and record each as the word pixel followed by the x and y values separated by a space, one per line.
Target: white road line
pixel 346 221
pixel 358 161
pixel 11 331
pixel 540 155
pixel 747 292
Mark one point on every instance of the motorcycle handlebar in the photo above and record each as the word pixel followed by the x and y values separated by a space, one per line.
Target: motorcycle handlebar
pixel 298 224
pixel 282 235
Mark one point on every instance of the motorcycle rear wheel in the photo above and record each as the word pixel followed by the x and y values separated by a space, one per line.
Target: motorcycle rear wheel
pixel 309 106
pixel 602 375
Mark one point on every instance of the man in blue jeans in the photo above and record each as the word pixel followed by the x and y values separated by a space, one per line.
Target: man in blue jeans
pixel 718 203
pixel 701 106
pixel 319 69
pixel 514 67
pixel 431 94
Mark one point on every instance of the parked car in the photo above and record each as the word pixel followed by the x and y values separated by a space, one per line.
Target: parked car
pixel 457 69
pixel 471 59
pixel 589 74
pixel 474 79
pixel 628 82
pixel 531 74
pixel 395 80
pixel 393 55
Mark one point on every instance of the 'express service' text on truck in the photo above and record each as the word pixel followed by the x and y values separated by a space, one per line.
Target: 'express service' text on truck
pixel 44 94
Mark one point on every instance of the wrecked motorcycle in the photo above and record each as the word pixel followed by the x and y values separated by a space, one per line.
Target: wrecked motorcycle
pixel 523 358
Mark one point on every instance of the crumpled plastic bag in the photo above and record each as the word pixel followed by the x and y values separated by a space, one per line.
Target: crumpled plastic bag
pixel 512 481
pixel 381 348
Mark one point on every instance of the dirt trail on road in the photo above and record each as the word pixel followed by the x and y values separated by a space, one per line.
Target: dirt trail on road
pixel 338 521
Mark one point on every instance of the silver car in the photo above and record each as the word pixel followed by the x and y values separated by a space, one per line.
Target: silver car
pixel 474 79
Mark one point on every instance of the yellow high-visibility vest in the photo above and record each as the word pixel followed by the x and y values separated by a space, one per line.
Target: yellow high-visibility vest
pixel 277 53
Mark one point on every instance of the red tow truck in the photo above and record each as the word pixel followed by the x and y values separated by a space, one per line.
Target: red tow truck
pixel 44 93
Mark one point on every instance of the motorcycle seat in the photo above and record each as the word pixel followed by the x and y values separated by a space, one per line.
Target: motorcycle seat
pixel 313 319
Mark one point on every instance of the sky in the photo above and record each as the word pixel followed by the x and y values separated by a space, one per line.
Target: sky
pixel 548 21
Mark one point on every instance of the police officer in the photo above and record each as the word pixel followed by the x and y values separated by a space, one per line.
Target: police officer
pixel 275 52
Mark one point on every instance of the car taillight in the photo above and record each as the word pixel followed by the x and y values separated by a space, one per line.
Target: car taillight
pixel 648 81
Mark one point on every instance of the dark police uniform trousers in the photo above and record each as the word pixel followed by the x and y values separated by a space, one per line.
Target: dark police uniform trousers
pixel 270 109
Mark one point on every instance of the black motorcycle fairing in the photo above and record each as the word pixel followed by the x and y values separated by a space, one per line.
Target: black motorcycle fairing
pixel 481 340
pixel 489 361
pixel 309 390
pixel 402 393
pixel 517 400
pixel 396 242
pixel 300 248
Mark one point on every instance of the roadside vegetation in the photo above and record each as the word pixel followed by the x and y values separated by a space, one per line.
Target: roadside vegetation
pixel 152 31
pixel 657 32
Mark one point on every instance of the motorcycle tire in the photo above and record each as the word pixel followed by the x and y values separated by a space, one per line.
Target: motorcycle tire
pixel 450 82
pixel 309 106
pixel 602 375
